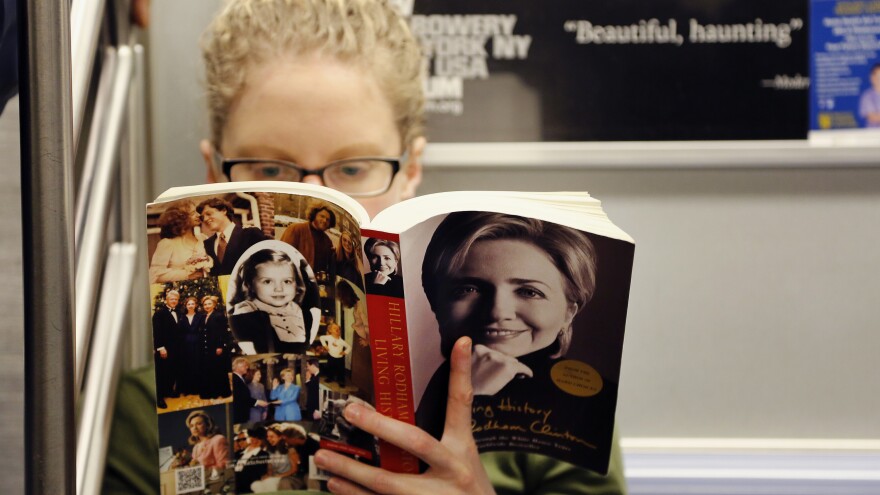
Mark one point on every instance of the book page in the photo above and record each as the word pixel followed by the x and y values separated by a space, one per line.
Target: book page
pixel 260 338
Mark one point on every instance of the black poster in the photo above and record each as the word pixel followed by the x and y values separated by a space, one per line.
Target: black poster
pixel 553 70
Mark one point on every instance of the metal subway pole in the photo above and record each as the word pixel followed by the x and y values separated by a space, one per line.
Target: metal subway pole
pixel 47 164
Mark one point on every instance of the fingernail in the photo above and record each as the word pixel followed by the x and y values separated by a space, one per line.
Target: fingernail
pixel 352 411
pixel 321 458
pixel 465 343
pixel 333 485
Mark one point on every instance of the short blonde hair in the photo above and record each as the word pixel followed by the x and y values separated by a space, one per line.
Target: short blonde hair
pixel 367 33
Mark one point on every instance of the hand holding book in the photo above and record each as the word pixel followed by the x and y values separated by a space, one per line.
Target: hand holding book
pixel 454 464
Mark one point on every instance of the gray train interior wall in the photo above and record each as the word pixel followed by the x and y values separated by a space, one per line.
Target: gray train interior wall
pixel 754 308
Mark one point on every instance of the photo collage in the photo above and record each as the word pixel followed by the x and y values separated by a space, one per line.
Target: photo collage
pixel 260 340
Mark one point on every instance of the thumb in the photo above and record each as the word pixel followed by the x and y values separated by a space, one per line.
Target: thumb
pixel 461 390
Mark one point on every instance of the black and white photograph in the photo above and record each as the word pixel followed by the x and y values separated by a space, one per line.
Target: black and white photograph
pixel 523 290
pixel 273 300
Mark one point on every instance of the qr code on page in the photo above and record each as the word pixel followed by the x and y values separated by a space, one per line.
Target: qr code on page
pixel 189 479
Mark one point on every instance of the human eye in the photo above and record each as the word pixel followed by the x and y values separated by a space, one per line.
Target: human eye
pixel 530 292
pixel 346 171
pixel 288 281
pixel 354 169
pixel 462 291
pixel 266 171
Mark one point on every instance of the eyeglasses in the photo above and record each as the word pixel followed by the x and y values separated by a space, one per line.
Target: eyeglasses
pixel 362 176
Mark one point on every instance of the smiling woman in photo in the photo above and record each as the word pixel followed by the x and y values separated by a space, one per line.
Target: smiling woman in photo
pixel 514 285
pixel 384 278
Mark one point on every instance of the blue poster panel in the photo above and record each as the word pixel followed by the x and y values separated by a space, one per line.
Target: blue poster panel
pixel 845 64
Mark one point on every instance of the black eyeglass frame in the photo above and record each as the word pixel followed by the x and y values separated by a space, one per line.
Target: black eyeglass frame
pixel 396 164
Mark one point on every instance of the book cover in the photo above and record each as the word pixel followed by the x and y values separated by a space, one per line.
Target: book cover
pixel 545 305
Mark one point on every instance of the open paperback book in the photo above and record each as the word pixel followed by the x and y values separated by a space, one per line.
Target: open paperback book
pixel 277 304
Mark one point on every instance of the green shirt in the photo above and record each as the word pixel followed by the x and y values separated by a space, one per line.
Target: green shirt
pixel 132 455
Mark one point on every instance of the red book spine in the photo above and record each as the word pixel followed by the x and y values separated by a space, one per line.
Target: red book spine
pixel 392 379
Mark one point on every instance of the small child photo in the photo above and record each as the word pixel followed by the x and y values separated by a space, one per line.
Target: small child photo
pixel 273 300
pixel 337 348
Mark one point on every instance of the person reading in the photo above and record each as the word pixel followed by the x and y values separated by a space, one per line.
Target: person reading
pixel 300 90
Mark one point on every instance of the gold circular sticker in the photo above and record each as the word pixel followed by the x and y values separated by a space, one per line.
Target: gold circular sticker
pixel 576 377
